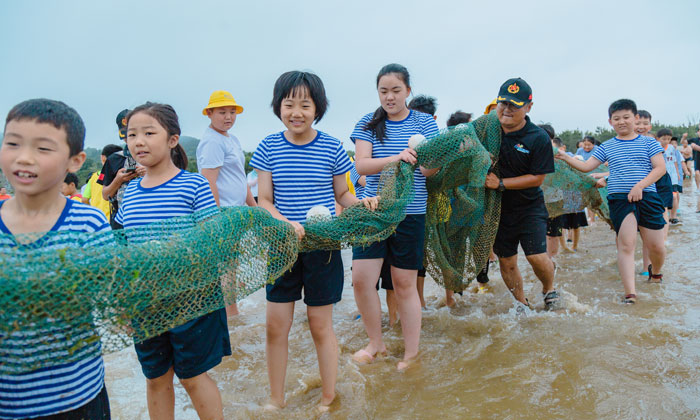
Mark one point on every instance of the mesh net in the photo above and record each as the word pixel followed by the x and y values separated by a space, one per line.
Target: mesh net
pixel 65 296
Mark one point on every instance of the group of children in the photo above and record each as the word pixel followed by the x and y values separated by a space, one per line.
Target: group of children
pixel 298 168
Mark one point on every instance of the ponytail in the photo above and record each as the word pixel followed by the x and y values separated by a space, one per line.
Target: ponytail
pixel 378 122
pixel 179 157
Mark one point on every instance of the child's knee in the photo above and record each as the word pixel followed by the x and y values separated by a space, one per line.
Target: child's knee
pixel 276 326
pixel 161 383
pixel 191 384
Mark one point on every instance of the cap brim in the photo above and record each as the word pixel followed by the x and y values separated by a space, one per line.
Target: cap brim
pixel 517 103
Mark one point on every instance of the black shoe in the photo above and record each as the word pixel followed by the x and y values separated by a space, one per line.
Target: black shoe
pixel 552 301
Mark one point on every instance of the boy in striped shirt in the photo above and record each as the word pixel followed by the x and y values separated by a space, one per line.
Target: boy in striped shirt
pixel 43 142
pixel 636 162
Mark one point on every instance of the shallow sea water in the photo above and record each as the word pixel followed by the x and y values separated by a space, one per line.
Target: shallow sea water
pixel 598 359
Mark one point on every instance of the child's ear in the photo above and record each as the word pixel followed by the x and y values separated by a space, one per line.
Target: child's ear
pixel 173 141
pixel 76 161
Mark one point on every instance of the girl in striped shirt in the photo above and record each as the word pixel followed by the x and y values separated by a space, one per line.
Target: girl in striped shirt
pixel 381 138
pixel 298 169
pixel 168 191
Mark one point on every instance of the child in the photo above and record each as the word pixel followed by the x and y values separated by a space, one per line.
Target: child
pixel 43 142
pixel 298 169
pixel 381 138
pixel 167 191
pixel 587 147
pixel 3 194
pixel 458 117
pixel 671 158
pixel 635 163
pixel 221 160
pixel 69 188
pixel 92 194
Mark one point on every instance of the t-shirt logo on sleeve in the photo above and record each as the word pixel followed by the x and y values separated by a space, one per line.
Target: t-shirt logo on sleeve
pixel 520 148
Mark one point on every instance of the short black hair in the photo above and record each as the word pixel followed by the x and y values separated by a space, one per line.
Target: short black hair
pixel 622 105
pixel 664 132
pixel 644 114
pixel 293 83
pixel 72 178
pixel 56 113
pixel 424 103
pixel 111 148
pixel 557 141
pixel 590 139
pixel 459 117
pixel 549 130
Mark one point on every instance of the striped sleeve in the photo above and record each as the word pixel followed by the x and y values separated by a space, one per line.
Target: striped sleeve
pixel 260 159
pixel 429 127
pixel 599 153
pixel 653 147
pixel 359 133
pixel 342 161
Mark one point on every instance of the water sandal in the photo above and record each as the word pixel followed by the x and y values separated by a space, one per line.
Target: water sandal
pixel 655 278
pixel 551 300
pixel 630 299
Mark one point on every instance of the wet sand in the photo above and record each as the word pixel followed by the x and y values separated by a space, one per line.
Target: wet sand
pixel 599 359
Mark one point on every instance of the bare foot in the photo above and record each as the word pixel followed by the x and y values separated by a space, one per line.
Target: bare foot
pixel 367 355
pixel 273 405
pixel 325 404
pixel 403 365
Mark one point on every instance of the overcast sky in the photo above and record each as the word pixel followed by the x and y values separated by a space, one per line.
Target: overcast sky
pixel 103 56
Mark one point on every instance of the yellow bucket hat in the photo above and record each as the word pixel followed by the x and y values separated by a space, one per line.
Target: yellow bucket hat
pixel 221 98
pixel 490 106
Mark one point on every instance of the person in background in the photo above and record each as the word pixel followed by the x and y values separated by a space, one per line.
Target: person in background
pixel 92 192
pixel 70 187
pixel 3 194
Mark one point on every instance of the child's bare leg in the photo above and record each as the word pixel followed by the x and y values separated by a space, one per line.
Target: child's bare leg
pixel 562 243
pixel 321 326
pixel 577 236
pixel 205 396
pixel 409 309
pixel 160 396
pixel 364 278
pixel 228 285
pixel 392 306
pixel 626 242
pixel 232 309
pixel 676 201
pixel 420 281
pixel 654 240
pixel 278 323
pixel 553 246
pixel 449 298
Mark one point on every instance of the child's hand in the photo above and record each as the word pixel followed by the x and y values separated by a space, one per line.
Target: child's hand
pixel 601 183
pixel 370 202
pixel 298 229
pixel 561 154
pixel 635 194
pixel 408 155
pixel 684 136
pixel 124 176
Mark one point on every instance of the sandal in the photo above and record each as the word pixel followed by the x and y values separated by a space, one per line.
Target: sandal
pixel 655 278
pixel 630 299
pixel 551 300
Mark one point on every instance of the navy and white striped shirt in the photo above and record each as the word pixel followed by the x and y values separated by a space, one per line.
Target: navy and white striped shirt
pixel 354 178
pixel 182 195
pixel 396 140
pixel 302 176
pixel 61 387
pixel 629 162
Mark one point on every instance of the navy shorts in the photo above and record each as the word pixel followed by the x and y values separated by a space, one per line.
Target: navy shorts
pixel 677 188
pixel 526 227
pixel 554 226
pixel 649 211
pixel 191 348
pixel 405 245
pixel 664 189
pixel 319 273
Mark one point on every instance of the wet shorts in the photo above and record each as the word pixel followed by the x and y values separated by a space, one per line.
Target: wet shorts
pixel 191 348
pixel 405 245
pixel 319 273
pixel 554 226
pixel 665 190
pixel 526 227
pixel 649 211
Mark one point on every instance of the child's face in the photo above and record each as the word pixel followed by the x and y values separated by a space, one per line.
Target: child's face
pixel 68 189
pixel 35 157
pixel 674 143
pixel 148 141
pixel 587 146
pixel 222 118
pixel 298 112
pixel 665 140
pixel 643 126
pixel 623 122
pixel 392 94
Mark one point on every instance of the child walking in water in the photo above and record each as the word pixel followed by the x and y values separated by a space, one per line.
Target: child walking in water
pixel 636 163
pixel 167 191
pixel 297 169
pixel 380 138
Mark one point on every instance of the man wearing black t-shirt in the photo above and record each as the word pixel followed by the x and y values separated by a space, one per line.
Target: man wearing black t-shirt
pixel 118 170
pixel 525 158
pixel 695 145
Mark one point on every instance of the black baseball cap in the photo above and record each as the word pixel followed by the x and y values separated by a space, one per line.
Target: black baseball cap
pixel 515 91
pixel 121 123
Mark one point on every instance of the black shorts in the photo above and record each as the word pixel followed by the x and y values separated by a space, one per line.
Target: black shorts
pixel 191 348
pixel 96 409
pixel 574 220
pixel 319 273
pixel 677 188
pixel 649 211
pixel 405 245
pixel 554 226
pixel 664 189
pixel 527 227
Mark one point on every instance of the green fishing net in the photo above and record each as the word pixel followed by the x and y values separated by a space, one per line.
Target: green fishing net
pixel 65 296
